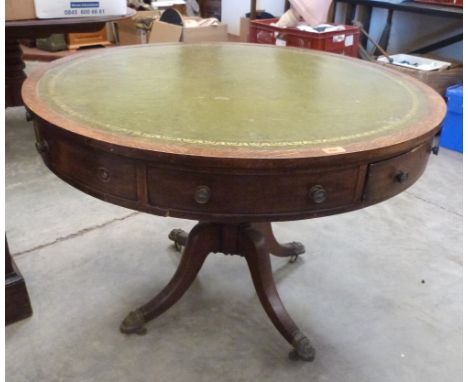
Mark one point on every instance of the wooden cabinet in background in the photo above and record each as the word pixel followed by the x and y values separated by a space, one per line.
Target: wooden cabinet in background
pixel 80 40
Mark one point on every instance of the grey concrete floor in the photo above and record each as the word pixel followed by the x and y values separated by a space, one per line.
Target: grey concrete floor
pixel 357 292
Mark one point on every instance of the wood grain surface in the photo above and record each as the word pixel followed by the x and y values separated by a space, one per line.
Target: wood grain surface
pixel 282 103
pixel 222 184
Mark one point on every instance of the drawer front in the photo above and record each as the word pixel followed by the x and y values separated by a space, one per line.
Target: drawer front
pixel 94 169
pixel 250 194
pixel 392 176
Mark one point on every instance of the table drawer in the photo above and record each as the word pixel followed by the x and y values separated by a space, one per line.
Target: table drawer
pixel 89 168
pixel 250 194
pixel 390 177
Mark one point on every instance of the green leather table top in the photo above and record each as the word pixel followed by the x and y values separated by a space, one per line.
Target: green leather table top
pixel 233 95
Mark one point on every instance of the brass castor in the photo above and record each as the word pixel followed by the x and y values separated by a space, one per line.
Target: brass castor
pixel 134 323
pixel 303 349
pixel 293 259
pixel 179 237
pixel 297 249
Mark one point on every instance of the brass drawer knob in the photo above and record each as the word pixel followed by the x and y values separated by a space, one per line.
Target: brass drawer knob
pixel 318 194
pixel 42 146
pixel 202 194
pixel 28 116
pixel 436 144
pixel 104 174
pixel 402 176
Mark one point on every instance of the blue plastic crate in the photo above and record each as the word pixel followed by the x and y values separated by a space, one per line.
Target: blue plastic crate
pixel 452 128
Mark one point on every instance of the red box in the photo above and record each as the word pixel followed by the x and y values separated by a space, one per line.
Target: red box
pixel 342 42
pixel 452 3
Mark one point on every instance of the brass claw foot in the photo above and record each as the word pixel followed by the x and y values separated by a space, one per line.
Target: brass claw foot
pixel 291 250
pixel 296 248
pixel 175 233
pixel 134 323
pixel 293 259
pixel 179 237
pixel 303 349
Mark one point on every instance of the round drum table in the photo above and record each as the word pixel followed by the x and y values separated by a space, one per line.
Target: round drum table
pixel 235 136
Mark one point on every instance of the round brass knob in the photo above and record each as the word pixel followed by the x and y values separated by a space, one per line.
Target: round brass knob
pixel 402 176
pixel 28 116
pixel 202 194
pixel 104 174
pixel 318 194
pixel 42 146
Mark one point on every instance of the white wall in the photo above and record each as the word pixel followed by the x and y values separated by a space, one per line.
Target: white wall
pixel 233 10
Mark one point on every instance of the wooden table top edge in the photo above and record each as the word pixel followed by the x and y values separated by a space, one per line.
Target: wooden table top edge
pixel 389 145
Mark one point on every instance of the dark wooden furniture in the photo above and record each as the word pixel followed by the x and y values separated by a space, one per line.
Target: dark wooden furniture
pixel 20 29
pixel 235 136
pixel 210 8
pixel 80 40
pixel 17 299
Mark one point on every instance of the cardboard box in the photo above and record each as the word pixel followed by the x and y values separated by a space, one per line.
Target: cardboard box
pixel 51 9
pixel 439 80
pixel 244 30
pixel 202 34
pixel 19 10
pixel 161 5
pixel 164 32
pixel 127 31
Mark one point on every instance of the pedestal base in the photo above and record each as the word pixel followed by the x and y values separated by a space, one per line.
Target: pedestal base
pixel 254 242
